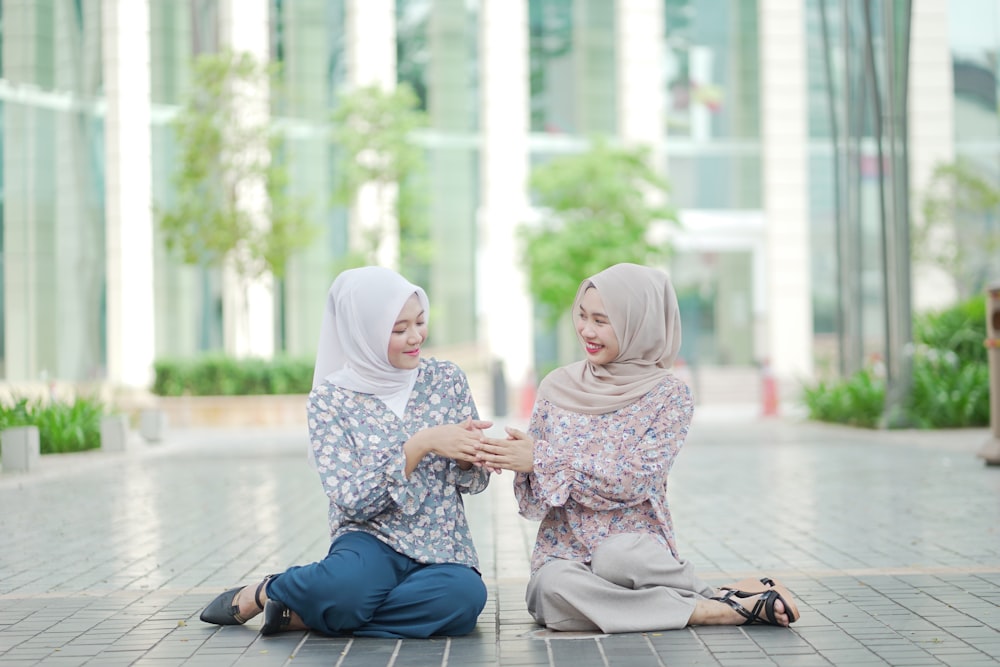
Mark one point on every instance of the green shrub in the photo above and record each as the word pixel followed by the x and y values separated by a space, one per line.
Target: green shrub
pixel 960 329
pixel 218 375
pixel 62 427
pixel 951 382
pixel 947 393
pixel 858 401
pixel 950 377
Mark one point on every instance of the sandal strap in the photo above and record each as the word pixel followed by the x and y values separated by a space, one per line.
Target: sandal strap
pixel 764 605
pixel 260 588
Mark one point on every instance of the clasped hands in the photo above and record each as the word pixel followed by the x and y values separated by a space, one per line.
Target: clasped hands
pixel 468 444
pixel 515 452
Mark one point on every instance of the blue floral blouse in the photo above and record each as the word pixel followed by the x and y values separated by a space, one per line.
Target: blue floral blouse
pixel 600 475
pixel 358 444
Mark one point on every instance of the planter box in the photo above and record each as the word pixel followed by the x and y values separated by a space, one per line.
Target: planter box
pixel 21 450
pixel 233 411
pixel 114 433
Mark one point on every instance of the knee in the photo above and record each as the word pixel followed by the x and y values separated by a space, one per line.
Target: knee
pixel 618 557
pixel 462 598
pixel 616 550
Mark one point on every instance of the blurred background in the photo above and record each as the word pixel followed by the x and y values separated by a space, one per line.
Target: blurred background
pixel 186 177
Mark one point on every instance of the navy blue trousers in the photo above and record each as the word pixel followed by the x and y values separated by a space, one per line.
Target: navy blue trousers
pixel 365 588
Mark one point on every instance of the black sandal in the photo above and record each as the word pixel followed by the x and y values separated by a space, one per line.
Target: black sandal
pixel 739 585
pixel 763 608
pixel 223 611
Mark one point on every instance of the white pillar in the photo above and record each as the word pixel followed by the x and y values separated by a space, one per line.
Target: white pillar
pixel 128 193
pixel 505 310
pixel 931 125
pixel 371 43
pixel 784 141
pixel 371 60
pixel 248 316
pixel 640 47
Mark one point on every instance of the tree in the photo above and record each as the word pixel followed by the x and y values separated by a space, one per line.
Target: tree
pixel 599 208
pixel 231 207
pixel 958 230
pixel 373 129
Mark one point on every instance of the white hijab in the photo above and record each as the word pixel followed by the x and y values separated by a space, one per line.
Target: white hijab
pixel 361 308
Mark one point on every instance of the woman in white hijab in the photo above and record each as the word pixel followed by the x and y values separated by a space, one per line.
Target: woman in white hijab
pixel 593 469
pixel 394 440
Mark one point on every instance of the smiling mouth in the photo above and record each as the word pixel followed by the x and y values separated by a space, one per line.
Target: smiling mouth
pixel 413 353
pixel 593 348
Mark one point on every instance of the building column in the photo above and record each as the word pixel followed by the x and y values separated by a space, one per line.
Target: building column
pixel 641 94
pixel 248 306
pixel 371 61
pixel 931 125
pixel 128 193
pixel 788 337
pixel 505 307
pixel 788 331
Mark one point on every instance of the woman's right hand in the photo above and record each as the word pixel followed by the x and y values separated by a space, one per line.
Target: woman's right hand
pixel 516 452
pixel 454 441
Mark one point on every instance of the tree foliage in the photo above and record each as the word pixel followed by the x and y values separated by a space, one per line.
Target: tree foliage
pixel 958 230
pixel 598 209
pixel 227 158
pixel 373 129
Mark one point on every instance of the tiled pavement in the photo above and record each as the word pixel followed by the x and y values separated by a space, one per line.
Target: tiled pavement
pixel 890 541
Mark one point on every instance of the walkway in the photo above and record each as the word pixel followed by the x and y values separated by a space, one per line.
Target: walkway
pixel 891 542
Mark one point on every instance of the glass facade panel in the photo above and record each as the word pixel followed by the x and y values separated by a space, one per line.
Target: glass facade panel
pixel 52 181
pixel 308 41
pixel 856 87
pixel 975 37
pixel 437 55
pixel 712 77
pixel 975 40
pixel 188 299
pixel 725 178
pixel 572 66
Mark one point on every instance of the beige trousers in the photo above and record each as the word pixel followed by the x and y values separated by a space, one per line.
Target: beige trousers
pixel 631 585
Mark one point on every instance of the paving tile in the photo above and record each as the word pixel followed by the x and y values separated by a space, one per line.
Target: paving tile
pixel 881 571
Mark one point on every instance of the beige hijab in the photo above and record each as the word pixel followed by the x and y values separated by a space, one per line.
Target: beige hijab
pixel 642 307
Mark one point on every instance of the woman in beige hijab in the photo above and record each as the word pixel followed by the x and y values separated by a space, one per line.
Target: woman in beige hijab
pixel 593 469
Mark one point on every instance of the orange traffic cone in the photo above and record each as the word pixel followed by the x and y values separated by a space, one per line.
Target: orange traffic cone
pixel 768 390
pixel 527 398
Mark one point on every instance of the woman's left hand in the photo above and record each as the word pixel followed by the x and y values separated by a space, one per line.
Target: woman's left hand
pixel 516 452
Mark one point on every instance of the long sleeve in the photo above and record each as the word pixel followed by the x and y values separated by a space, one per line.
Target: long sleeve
pixel 475 479
pixel 361 479
pixel 530 504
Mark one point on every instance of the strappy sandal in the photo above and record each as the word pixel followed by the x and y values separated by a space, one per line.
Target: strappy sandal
pixel 223 610
pixel 751 585
pixel 763 608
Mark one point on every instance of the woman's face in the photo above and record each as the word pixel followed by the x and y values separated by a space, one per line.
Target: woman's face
pixel 408 333
pixel 592 324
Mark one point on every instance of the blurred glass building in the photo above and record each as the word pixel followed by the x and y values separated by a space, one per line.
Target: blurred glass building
pixel 795 134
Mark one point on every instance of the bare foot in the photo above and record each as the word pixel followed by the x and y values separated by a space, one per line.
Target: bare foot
pixel 716 612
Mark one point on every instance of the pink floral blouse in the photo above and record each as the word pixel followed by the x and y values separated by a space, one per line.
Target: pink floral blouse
pixel 600 475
